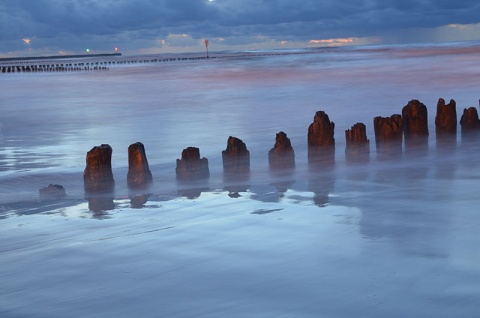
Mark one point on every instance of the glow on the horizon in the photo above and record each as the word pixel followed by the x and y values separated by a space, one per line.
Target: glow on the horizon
pixel 338 41
pixel 457 26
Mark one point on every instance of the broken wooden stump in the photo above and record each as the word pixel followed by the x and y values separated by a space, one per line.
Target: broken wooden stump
pixel 469 120
pixel 321 141
pixel 98 180
pixel 282 155
pixel 446 125
pixel 98 176
pixel 236 166
pixel 415 127
pixel 191 166
pixel 236 158
pixel 446 118
pixel 357 148
pixel 470 124
pixel 139 174
pixel 388 136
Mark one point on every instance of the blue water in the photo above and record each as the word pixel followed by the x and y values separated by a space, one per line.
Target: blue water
pixel 392 239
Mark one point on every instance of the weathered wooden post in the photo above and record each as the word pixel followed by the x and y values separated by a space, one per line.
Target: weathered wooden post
pixel 236 166
pixel 139 175
pixel 415 127
pixel 446 124
pixel 357 148
pixel 282 155
pixel 98 176
pixel 469 120
pixel 190 166
pixel 388 136
pixel 321 141
pixel 98 179
pixel 236 158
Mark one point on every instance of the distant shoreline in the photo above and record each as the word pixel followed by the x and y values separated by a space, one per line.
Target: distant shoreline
pixel 56 57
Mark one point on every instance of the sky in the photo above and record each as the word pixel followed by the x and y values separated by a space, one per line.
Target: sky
pixel 47 27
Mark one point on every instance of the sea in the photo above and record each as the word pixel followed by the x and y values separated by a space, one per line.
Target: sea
pixel 374 238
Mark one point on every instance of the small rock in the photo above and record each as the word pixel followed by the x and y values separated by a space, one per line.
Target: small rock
pixel 52 192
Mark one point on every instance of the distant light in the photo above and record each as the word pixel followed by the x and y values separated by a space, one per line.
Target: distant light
pixel 116 49
pixel 88 50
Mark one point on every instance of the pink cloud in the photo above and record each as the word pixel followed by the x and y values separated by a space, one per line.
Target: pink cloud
pixel 338 41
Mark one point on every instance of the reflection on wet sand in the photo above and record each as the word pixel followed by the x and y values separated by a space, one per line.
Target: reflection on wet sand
pixel 394 208
pixel 100 206
pixel 192 193
pixel 400 193
pixel 138 201
pixel 322 184
pixel 357 152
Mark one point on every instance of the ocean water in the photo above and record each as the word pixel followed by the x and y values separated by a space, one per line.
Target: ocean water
pixel 384 238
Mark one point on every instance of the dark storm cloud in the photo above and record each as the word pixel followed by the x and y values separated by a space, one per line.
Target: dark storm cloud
pixel 98 17
pixel 350 16
pixel 61 23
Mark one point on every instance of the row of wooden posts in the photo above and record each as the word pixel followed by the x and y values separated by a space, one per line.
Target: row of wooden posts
pixel 411 126
pixel 49 68
pixel 40 67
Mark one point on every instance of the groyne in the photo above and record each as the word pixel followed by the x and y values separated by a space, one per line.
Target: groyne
pixel 102 62
pixel 406 133
pixel 57 63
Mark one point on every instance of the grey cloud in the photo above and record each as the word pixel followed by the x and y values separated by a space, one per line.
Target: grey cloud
pixel 78 21
pixel 350 14
pixel 103 17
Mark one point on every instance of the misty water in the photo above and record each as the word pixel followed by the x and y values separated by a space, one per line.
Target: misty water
pixel 385 238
